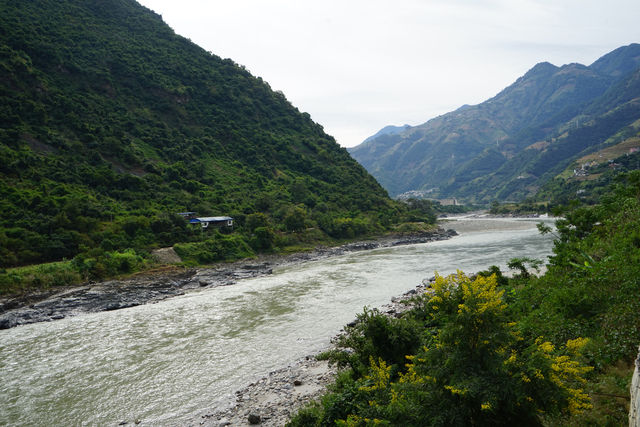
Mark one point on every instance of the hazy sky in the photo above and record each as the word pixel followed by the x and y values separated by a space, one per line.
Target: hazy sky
pixel 359 65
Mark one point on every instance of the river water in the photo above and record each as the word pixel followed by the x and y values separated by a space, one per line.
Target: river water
pixel 162 363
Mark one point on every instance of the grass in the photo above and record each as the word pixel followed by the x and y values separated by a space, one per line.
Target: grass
pixel 41 276
pixel 611 153
pixel 609 392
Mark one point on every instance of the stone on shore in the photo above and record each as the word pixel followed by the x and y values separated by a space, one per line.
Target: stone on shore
pixel 254 418
pixel 166 256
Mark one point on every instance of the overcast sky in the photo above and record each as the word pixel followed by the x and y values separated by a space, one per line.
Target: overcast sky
pixel 359 65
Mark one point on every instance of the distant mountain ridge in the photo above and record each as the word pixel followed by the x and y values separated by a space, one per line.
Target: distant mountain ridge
pixel 388 130
pixel 507 146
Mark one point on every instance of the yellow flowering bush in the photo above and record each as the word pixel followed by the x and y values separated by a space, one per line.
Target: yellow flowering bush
pixel 475 369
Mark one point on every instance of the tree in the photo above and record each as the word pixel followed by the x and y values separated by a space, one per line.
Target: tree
pixel 295 218
pixel 262 238
pixel 256 220
pixel 520 264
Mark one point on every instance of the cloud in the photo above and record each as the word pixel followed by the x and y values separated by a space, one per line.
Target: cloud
pixel 358 65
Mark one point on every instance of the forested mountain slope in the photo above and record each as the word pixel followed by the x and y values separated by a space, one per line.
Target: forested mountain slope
pixel 110 123
pixel 509 145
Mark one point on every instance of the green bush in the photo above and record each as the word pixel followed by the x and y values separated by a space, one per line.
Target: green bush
pixel 463 363
pixel 350 227
pixel 376 336
pixel 295 218
pixel 262 239
pixel 98 264
pixel 42 276
pixel 217 248
pixel 256 220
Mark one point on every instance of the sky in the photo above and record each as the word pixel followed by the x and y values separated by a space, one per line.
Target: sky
pixel 358 65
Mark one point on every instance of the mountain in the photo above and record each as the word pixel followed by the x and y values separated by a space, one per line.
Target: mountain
pixel 507 146
pixel 110 123
pixel 619 62
pixel 388 130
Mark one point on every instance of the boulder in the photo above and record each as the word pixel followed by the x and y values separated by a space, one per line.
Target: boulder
pixel 166 256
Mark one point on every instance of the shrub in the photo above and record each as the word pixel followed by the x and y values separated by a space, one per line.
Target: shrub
pixel 42 276
pixel 262 239
pixel 256 220
pixel 218 248
pixel 98 264
pixel 295 218
pixel 376 336
pixel 467 365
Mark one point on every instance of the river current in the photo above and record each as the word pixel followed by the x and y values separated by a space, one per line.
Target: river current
pixel 162 363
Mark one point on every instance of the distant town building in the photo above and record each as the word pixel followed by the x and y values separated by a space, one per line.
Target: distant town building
pixel 584 169
pixel 416 194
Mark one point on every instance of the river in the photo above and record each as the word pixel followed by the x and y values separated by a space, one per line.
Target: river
pixel 161 363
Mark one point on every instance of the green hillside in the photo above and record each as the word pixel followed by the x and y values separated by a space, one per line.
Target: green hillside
pixel 523 175
pixel 110 124
pixel 589 177
pixel 507 147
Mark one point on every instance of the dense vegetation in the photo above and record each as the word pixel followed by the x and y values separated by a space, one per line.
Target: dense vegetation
pixel 550 350
pixel 110 124
pixel 509 146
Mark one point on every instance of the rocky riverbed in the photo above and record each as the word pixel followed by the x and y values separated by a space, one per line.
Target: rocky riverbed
pixel 160 284
pixel 273 399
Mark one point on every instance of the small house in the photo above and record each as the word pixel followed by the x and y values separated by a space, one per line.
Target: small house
pixel 215 221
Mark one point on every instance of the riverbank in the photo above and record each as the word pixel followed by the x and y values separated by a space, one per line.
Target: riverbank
pixel 160 284
pixel 273 399
pixel 172 362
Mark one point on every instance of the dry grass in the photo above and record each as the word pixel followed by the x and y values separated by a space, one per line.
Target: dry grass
pixel 611 153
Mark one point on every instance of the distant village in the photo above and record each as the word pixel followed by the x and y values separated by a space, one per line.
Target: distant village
pixel 424 194
pixel 583 171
